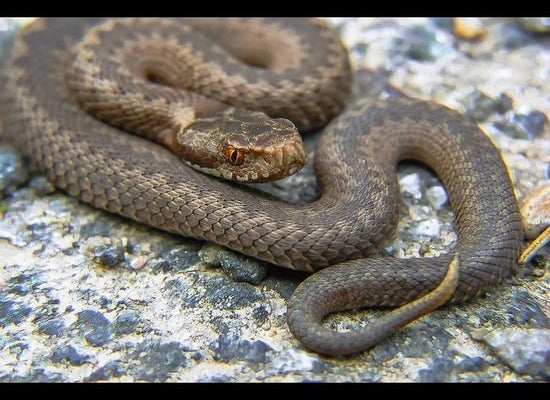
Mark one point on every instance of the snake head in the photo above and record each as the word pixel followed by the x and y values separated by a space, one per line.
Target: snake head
pixel 241 145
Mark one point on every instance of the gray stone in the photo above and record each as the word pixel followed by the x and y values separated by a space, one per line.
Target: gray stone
pixel 52 327
pixel 110 370
pixel 41 185
pixel 12 170
pixel 154 360
pixel 421 43
pixel 214 329
pixel 437 196
pixel 510 37
pixel 23 283
pixel 237 266
pixel 480 107
pixel 12 312
pixel 472 364
pixel 126 322
pixel 524 126
pixel 178 259
pixel 95 328
pixel 110 257
pixel 181 293
pixel 525 311
pixel 440 371
pixel 99 227
pixel 535 24
pixel 230 296
pixel 284 282
pixel 68 354
pixel 410 186
pixel 230 348
pixel 527 351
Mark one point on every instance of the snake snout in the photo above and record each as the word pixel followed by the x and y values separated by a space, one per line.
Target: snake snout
pixel 294 157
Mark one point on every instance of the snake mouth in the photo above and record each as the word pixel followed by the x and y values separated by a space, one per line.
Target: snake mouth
pixel 294 157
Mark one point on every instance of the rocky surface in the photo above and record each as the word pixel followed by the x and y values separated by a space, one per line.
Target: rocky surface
pixel 88 296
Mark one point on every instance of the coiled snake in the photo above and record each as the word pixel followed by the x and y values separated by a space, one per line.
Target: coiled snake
pixel 293 68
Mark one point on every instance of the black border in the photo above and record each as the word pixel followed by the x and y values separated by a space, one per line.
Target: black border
pixel 173 8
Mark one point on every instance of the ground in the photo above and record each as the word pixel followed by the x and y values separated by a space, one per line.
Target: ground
pixel 88 296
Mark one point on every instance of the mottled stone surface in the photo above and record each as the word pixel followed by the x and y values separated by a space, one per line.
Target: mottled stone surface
pixel 88 296
pixel 527 351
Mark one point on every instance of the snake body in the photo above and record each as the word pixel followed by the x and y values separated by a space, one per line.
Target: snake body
pixel 355 166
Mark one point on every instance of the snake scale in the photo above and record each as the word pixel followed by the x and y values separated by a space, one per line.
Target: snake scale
pixel 266 63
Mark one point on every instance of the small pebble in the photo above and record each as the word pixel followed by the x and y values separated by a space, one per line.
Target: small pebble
pixel 110 257
pixel 157 360
pixel 527 351
pixel 94 326
pixel 511 36
pixel 69 354
pixel 535 210
pixel 480 107
pixel 535 24
pixel 41 185
pixel 12 170
pixel 126 322
pixel 238 267
pixel 430 227
pixel 469 28
pixel 139 262
pixel 103 373
pixel 420 43
pixel 437 196
pixel 524 126
pixel 229 347
pixel 410 185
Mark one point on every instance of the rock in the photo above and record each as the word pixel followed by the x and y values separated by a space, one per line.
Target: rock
pixel 110 257
pixel 52 327
pixel 527 351
pixel 228 296
pixel 437 196
pixel 95 328
pixel 472 364
pixel 410 186
pixel 480 107
pixel 12 170
pixel 524 126
pixel 535 210
pixel 178 259
pixel 154 360
pixel 41 185
pixel 229 347
pixel 99 227
pixel 12 312
pixel 535 24
pixel 126 322
pixel 510 37
pixel 68 354
pixel 284 282
pixel 237 266
pixel 440 371
pixel 53 295
pixel 429 227
pixel 469 28
pixel 109 370
pixel 524 310
pixel 420 43
pixel 179 292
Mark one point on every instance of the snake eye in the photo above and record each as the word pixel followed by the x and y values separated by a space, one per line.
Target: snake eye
pixel 233 156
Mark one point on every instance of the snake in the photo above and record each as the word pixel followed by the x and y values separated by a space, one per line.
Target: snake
pixel 166 78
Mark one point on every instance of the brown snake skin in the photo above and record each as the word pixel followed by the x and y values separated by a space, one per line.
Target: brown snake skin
pixel 355 166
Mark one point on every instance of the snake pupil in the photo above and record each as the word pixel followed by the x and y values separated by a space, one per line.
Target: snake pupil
pixel 234 156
